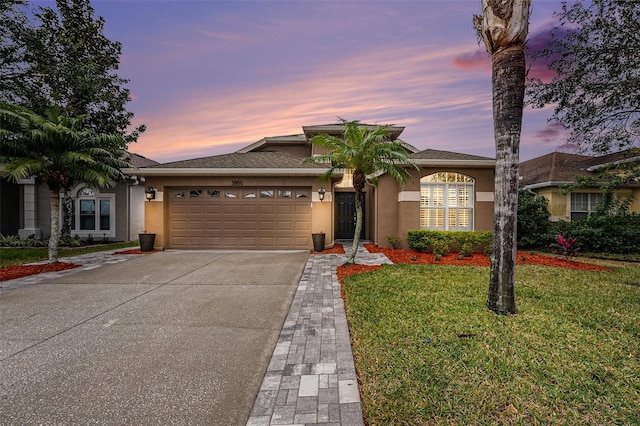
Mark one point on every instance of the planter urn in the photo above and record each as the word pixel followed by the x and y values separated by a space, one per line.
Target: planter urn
pixel 318 241
pixel 147 241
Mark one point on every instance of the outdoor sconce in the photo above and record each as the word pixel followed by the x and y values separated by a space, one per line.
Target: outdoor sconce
pixel 150 194
pixel 321 192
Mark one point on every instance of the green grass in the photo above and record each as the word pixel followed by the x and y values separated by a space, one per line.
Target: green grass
pixel 17 256
pixel 429 352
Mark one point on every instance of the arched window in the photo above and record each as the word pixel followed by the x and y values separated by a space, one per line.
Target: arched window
pixel 93 213
pixel 446 202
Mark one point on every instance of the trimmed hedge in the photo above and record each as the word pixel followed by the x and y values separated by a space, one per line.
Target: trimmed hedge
pixel 423 240
pixel 603 234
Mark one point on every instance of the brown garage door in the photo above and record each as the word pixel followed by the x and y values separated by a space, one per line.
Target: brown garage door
pixel 239 218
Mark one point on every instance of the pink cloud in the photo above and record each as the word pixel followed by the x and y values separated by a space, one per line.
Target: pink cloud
pixel 479 59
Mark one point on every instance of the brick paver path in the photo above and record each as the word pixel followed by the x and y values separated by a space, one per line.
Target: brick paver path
pixel 311 378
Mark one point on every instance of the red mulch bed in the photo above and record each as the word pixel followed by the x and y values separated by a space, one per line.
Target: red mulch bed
pixel 19 271
pixel 135 251
pixel 336 249
pixel 478 259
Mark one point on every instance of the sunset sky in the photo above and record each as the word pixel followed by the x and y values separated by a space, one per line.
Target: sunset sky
pixel 209 77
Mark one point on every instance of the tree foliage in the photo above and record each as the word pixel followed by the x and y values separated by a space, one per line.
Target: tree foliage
pixel 64 58
pixel 56 149
pixel 367 151
pixel 594 54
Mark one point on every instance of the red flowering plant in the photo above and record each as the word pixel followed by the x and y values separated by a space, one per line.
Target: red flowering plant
pixel 566 246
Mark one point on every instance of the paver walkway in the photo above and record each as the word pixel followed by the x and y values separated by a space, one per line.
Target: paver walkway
pixel 311 378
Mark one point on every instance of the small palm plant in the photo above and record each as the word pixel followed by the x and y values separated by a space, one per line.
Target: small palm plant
pixel 367 151
pixel 57 151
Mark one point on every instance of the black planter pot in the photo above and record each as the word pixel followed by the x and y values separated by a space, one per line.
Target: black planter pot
pixel 147 241
pixel 318 242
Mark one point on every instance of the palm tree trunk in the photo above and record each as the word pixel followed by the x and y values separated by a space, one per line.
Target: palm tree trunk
pixel 508 80
pixel 55 226
pixel 358 231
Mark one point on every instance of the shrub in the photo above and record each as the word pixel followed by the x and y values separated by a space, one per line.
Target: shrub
pixel 466 249
pixel 440 248
pixel 534 228
pixel 424 240
pixel 604 234
pixel 394 241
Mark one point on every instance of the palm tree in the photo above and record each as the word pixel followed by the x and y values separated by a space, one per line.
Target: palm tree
pixel 504 26
pixel 57 151
pixel 367 152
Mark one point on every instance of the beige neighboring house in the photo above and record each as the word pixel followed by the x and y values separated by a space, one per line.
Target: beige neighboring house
pixel 550 174
pixel 263 197
pixel 116 214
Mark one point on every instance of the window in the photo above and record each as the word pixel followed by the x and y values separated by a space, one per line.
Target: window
pixel 92 213
pixel 446 202
pixel 583 204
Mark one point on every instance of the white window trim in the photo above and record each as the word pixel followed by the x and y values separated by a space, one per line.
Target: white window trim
pixel 97 233
pixel 471 208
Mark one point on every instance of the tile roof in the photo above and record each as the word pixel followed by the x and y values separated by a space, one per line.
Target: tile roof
pixel 434 154
pixel 247 160
pixel 138 160
pixel 553 167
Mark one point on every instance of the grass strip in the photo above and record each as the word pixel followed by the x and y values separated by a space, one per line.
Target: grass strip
pixel 17 256
pixel 428 351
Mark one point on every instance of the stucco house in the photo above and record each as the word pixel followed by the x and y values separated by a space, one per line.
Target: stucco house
pixel 550 174
pixel 263 197
pixel 116 214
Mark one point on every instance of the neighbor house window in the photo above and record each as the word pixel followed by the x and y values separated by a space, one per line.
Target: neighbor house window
pixel 93 214
pixel 446 202
pixel 583 204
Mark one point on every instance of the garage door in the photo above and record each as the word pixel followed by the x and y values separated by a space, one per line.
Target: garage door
pixel 239 218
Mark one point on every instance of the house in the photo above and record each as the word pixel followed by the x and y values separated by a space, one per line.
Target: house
pixel 550 174
pixel 115 213
pixel 263 197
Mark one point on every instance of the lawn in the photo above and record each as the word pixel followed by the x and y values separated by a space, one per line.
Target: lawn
pixel 16 256
pixel 429 352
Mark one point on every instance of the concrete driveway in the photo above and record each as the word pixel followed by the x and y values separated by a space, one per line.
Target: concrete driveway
pixel 176 337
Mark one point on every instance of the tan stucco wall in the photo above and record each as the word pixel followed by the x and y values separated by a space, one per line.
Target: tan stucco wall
pixel 560 203
pixel 397 217
pixel 157 213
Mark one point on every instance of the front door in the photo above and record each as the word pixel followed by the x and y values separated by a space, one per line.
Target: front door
pixel 346 215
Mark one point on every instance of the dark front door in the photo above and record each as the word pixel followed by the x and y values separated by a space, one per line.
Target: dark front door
pixel 346 215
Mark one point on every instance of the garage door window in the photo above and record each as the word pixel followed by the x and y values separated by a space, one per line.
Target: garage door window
pixel 231 194
pixel 266 193
pixel 195 193
pixel 213 193
pixel 284 194
pixel 250 194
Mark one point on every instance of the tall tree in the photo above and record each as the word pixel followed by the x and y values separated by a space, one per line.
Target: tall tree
pixel 504 26
pixel 594 55
pixel 365 150
pixel 68 61
pixel 58 151
pixel 13 22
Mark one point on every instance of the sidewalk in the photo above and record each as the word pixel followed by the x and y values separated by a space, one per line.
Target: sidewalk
pixel 311 378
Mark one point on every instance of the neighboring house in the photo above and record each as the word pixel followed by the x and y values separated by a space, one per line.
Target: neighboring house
pixel 550 174
pixel 115 213
pixel 263 197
